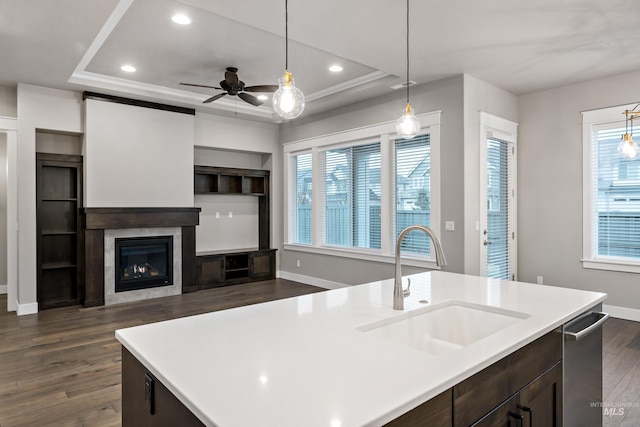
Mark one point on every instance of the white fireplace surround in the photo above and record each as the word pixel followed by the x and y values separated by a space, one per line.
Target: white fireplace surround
pixel 110 236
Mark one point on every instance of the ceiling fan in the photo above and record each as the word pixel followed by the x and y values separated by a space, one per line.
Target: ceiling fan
pixel 232 85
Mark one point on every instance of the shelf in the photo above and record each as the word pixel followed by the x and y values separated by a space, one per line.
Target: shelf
pixel 57 265
pixel 214 180
pixel 59 233
pixel 59 199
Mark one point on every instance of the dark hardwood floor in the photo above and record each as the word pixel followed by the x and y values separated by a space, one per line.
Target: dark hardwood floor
pixel 621 373
pixel 62 366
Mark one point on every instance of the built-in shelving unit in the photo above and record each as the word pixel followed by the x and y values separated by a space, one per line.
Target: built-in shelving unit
pixel 59 240
pixel 222 268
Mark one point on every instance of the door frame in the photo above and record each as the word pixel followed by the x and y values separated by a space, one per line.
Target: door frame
pixel 9 126
pixel 505 130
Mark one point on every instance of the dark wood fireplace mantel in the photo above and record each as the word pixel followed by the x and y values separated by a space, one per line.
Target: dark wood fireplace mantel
pixel 96 220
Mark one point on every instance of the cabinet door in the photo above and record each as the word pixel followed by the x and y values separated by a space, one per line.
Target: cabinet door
pixel 541 401
pixel 210 271
pixel 433 413
pixel 505 415
pixel 262 264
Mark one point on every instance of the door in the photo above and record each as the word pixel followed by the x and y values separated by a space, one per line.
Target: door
pixel 498 199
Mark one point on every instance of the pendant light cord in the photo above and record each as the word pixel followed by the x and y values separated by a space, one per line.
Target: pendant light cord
pixel 286 35
pixel 407 51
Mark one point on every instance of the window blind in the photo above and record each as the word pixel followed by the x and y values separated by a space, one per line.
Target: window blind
pixel 300 226
pixel 498 233
pixel 616 197
pixel 352 196
pixel 413 192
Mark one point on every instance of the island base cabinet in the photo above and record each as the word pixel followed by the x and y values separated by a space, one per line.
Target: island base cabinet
pixel 539 404
pixel 435 412
pixel 146 402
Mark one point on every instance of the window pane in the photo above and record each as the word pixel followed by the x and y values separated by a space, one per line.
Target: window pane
pixel 413 191
pixel 302 166
pixel 616 221
pixel 352 199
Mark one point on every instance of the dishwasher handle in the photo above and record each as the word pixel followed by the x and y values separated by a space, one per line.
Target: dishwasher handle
pixel 596 321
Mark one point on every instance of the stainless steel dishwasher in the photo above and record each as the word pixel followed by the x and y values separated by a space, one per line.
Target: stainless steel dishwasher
pixel 583 369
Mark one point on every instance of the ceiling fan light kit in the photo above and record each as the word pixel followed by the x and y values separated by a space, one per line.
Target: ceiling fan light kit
pixel 408 125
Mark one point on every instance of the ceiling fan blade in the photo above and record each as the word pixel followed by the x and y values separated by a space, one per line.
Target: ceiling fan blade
pixel 261 88
pixel 191 84
pixel 213 98
pixel 231 78
pixel 250 99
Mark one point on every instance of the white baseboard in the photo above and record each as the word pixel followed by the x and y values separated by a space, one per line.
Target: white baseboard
pixel 23 309
pixel 307 280
pixel 3 289
pixel 622 312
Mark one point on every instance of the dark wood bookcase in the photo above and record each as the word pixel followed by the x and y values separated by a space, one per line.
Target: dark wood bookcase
pixel 223 268
pixel 59 232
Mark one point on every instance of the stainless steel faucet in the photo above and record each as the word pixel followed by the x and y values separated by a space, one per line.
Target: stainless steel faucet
pixel 399 293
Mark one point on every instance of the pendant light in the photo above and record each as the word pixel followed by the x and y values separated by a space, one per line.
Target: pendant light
pixel 627 146
pixel 288 100
pixel 408 125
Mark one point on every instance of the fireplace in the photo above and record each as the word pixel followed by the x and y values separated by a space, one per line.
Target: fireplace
pixel 143 262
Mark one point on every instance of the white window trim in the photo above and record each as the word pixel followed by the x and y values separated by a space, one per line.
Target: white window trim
pixel 385 133
pixel 590 119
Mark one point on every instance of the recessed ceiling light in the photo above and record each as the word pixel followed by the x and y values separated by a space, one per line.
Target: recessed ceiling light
pixel 128 68
pixel 262 97
pixel 335 68
pixel 181 19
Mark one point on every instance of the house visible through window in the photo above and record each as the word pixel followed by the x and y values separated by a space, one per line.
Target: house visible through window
pixel 352 196
pixel 612 195
pixel 413 191
pixel 303 180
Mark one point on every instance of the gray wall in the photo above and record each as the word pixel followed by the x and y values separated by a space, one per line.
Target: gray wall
pixel 550 186
pixel 444 95
pixel 8 101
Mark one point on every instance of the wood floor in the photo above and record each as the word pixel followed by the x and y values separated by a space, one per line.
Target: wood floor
pixel 61 367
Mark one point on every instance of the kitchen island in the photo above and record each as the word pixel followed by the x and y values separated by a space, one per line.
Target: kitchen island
pixel 334 359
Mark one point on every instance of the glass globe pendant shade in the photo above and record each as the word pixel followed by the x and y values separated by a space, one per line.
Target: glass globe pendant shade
pixel 408 125
pixel 627 147
pixel 288 100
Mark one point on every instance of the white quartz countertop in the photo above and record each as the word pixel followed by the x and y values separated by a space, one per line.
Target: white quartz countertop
pixel 303 361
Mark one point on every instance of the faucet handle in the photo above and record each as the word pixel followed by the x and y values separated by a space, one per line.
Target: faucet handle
pixel 407 292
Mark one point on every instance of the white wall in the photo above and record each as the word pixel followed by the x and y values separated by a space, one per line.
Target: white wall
pixel 38 108
pixel 137 157
pixel 478 96
pixel 3 213
pixel 231 142
pixel 550 183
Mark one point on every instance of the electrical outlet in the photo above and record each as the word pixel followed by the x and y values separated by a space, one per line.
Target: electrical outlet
pixel 450 226
pixel 298 263
pixel 539 280
pixel 230 214
pixel 217 215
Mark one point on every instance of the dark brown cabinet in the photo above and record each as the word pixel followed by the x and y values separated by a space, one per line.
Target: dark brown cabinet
pixel 59 241
pixel 230 268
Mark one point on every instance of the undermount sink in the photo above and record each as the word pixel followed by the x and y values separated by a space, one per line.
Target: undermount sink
pixel 445 327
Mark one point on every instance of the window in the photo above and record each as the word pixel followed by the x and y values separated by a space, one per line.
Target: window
pixel 413 191
pixel 612 195
pixel 302 188
pixel 361 203
pixel 352 196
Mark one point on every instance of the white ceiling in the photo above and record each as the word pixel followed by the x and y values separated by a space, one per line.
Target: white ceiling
pixel 519 46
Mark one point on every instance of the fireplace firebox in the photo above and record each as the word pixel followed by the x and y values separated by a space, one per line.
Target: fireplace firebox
pixel 143 262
